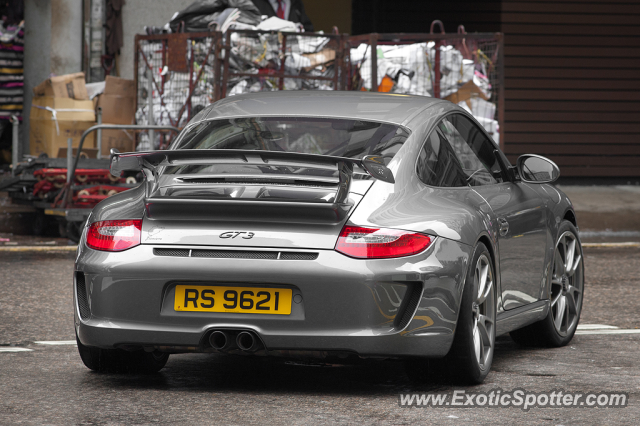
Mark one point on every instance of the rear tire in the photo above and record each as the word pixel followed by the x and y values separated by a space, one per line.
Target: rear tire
pixel 469 360
pixel 120 361
pixel 565 293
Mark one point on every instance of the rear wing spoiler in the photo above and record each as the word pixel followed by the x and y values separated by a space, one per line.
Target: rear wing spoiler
pixel 153 160
pixel 136 161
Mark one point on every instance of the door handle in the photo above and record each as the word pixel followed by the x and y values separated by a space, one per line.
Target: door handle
pixel 504 226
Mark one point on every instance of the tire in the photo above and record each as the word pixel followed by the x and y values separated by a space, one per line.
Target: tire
pixel 120 361
pixel 566 292
pixel 469 360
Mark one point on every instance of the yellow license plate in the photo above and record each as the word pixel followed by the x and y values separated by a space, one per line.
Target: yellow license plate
pixel 247 300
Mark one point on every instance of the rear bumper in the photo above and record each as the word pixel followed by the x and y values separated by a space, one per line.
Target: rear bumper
pixel 344 305
pixel 110 335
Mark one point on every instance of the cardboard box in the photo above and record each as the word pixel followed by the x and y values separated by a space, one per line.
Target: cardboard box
pixel 63 86
pixel 465 92
pixel 122 140
pixel 320 58
pixel 54 120
pixel 117 109
pixel 119 87
pixel 117 101
pixel 86 152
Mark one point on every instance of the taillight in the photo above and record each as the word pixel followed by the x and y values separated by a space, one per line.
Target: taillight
pixel 114 235
pixel 375 243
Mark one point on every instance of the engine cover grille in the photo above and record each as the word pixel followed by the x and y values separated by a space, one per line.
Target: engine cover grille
pixel 236 254
pixel 171 252
pixel 232 254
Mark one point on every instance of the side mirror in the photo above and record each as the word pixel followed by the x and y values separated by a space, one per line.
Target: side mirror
pixel 537 169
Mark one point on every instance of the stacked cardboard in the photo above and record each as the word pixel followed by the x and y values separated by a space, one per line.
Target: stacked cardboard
pixel 60 110
pixel 63 86
pixel 118 107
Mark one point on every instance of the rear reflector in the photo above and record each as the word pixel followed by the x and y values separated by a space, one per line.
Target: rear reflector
pixel 375 243
pixel 114 235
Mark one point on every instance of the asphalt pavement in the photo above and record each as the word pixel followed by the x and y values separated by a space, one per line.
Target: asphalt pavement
pixel 43 381
pixel 606 213
pixel 48 384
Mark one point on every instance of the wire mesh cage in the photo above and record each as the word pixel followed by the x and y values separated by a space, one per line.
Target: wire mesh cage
pixel 466 69
pixel 176 76
pixel 179 74
pixel 268 60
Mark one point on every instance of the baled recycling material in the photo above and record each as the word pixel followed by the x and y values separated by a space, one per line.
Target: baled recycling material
pixel 197 16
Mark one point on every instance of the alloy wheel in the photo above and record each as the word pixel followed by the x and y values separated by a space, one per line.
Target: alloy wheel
pixel 483 312
pixel 566 283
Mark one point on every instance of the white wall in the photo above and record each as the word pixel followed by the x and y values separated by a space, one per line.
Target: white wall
pixel 136 14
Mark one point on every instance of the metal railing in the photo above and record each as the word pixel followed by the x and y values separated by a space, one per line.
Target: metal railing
pixel 15 144
pixel 65 196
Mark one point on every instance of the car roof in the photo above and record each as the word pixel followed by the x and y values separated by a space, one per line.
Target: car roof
pixel 386 107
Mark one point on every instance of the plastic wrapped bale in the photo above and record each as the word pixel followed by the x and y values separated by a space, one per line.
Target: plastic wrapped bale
pixel 247 52
pixel 255 62
pixel 411 66
pixel 455 70
pixel 404 64
pixel 312 44
pixel 199 15
pixel 412 74
pixel 484 112
pixel 482 81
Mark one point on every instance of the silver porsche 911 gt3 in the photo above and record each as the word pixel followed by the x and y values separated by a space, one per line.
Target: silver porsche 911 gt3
pixel 321 224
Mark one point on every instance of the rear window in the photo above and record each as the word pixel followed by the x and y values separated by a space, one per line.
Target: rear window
pixel 325 136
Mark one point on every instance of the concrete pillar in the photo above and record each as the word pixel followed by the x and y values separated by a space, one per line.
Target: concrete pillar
pixel 66 36
pixel 52 45
pixel 37 54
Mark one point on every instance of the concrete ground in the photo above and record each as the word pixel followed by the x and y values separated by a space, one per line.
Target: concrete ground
pixel 606 213
pixel 47 384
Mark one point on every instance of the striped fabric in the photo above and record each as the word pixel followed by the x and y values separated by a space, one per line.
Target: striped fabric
pixel 11 70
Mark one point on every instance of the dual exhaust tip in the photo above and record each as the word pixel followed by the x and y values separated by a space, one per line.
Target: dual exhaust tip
pixel 246 341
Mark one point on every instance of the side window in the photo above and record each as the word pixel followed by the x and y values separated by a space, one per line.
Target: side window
pixel 473 150
pixel 437 163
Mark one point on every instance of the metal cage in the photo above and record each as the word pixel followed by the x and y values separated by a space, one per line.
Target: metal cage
pixel 270 60
pixel 466 69
pixel 176 75
pixel 179 74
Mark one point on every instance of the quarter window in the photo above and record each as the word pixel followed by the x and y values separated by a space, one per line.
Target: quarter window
pixel 437 163
pixel 474 151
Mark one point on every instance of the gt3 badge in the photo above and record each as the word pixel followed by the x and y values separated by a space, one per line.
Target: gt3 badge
pixel 234 234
